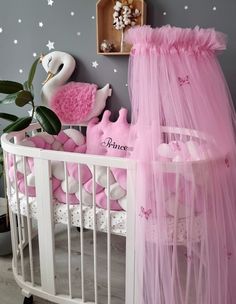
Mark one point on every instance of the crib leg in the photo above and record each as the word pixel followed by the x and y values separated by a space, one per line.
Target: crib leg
pixel 78 229
pixel 29 300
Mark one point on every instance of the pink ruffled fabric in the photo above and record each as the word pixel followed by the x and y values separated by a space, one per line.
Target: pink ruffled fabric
pixel 175 81
pixel 74 101
pixel 168 38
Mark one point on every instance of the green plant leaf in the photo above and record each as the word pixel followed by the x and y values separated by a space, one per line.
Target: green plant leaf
pixel 23 97
pixel 27 88
pixel 10 87
pixel 48 120
pixel 32 72
pixel 18 125
pixel 8 116
pixel 9 98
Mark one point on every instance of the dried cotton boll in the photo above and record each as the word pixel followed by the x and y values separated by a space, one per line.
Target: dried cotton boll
pixel 117 6
pixel 106 46
pixel 136 13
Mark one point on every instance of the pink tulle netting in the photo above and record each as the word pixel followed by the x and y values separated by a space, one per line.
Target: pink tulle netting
pixel 168 37
pixel 185 150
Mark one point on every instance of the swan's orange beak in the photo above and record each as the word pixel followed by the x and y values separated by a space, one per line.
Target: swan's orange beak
pixel 49 76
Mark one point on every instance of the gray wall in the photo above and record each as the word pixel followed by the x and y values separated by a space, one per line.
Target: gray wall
pixel 60 27
pixel 19 20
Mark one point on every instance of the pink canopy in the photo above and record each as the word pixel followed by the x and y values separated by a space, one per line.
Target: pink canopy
pixel 186 174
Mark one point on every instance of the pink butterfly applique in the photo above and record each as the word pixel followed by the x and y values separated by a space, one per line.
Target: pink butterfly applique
pixel 227 162
pixel 188 257
pixel 183 81
pixel 145 213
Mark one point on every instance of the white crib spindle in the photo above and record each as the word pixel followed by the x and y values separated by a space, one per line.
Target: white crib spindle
pixel 130 296
pixel 175 265
pixel 29 226
pixel 45 225
pixel 11 214
pixel 81 234
pixel 108 239
pixel 19 219
pixel 94 236
pixel 68 232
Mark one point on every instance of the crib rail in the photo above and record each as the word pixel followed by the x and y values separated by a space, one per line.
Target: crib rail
pixel 23 227
pixel 23 231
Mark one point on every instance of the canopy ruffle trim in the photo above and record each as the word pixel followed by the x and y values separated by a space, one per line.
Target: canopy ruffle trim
pixel 168 37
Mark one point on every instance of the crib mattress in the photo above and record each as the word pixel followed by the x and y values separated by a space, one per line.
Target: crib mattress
pixel 118 219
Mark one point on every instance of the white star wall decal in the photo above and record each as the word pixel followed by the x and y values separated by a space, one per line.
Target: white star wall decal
pixel 50 45
pixel 31 112
pixel 40 24
pixel 50 2
pixel 94 64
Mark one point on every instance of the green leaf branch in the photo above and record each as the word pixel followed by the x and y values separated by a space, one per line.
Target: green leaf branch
pixel 21 95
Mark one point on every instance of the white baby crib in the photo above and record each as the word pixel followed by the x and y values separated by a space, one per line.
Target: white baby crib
pixel 38 217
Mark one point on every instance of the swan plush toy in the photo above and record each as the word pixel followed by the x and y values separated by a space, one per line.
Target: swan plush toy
pixel 74 102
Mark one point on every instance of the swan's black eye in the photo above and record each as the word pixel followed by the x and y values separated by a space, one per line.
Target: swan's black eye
pixel 49 60
pixel 60 68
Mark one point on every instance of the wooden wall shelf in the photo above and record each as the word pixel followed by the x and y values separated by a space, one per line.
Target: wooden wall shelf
pixel 106 30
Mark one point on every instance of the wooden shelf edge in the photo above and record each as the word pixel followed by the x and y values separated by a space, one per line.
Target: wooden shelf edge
pixel 113 53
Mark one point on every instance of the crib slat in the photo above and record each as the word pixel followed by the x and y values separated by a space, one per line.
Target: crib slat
pixel 68 232
pixel 175 270
pixel 45 225
pixel 19 219
pixel 29 226
pixel 130 295
pixel 94 236
pixel 108 239
pixel 11 215
pixel 23 229
pixel 81 234
pixel 14 239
